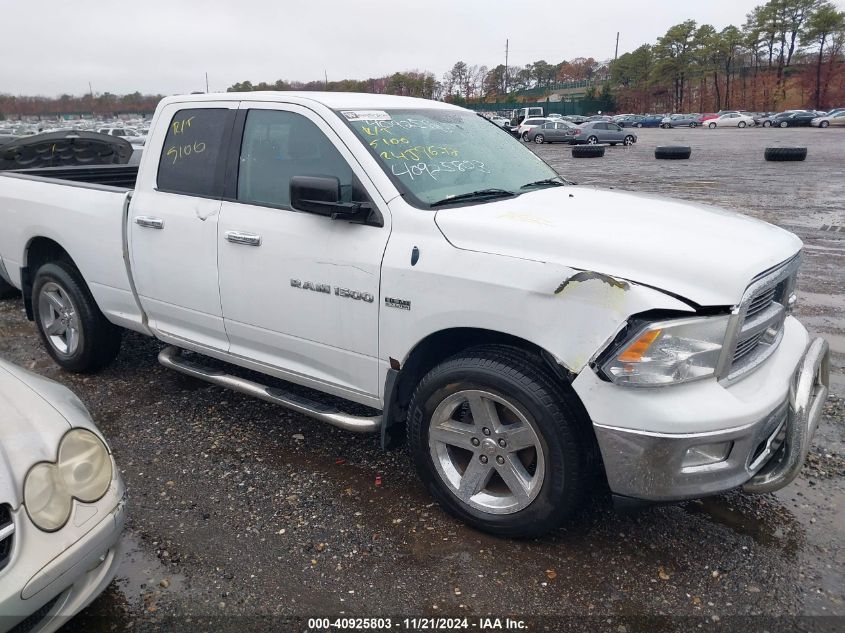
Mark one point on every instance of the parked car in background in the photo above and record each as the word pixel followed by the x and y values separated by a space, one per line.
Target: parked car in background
pixel 680 120
pixel 765 119
pixel 628 120
pixel 129 134
pixel 594 132
pixel 837 119
pixel 706 117
pixel 500 120
pixel 651 120
pixel 834 111
pixel 731 119
pixel 552 132
pixel 574 118
pixel 795 119
pixel 62 500
pixel 527 124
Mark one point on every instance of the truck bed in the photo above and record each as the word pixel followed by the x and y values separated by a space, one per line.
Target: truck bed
pixel 82 210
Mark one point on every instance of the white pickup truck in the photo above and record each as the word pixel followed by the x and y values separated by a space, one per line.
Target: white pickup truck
pixel 409 256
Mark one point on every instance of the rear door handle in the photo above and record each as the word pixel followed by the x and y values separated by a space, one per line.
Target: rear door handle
pixel 149 222
pixel 247 239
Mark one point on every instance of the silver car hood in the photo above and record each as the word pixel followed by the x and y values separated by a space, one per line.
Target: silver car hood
pixel 35 413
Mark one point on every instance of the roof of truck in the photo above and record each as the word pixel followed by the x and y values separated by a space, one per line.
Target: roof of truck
pixel 333 100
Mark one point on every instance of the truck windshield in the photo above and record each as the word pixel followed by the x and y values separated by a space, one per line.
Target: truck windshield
pixel 435 155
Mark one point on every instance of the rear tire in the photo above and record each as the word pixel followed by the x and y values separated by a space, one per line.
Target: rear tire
pixel 74 331
pixel 525 136
pixel 629 140
pixel 539 139
pixel 466 421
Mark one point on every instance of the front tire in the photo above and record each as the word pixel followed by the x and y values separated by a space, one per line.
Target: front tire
pixel 767 124
pixel 741 124
pixel 712 126
pixel 496 441
pixel 74 331
pixel 823 124
pixel 629 140
pixel 592 140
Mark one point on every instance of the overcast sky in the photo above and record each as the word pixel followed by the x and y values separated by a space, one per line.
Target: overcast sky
pixel 166 46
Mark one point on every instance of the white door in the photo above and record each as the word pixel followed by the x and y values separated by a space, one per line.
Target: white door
pixel 300 291
pixel 173 223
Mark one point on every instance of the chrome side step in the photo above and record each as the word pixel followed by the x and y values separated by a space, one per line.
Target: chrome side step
pixel 171 358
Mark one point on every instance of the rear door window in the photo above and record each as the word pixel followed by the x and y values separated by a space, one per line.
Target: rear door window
pixel 190 159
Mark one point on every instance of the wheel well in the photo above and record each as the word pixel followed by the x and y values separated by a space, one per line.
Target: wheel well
pixel 39 251
pixel 439 346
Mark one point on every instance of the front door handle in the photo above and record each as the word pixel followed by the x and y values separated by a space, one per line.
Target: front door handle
pixel 149 222
pixel 247 239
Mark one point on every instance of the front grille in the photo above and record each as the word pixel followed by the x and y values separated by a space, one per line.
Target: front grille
pixel 758 324
pixel 7 533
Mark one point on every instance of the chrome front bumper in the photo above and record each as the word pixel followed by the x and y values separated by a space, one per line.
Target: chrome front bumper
pixel 763 456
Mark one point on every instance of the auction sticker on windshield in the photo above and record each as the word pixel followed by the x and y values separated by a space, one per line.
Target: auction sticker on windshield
pixel 366 115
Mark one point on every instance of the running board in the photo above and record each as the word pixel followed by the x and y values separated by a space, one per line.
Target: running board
pixel 171 358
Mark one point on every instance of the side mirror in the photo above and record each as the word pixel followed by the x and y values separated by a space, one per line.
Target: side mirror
pixel 321 195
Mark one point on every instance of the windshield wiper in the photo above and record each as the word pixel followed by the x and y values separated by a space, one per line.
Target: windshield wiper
pixel 481 194
pixel 552 182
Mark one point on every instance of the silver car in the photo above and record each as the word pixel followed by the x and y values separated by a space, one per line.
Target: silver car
pixel 594 132
pixel 551 132
pixel 62 504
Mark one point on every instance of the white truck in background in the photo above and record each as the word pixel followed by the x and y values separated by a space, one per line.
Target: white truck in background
pixel 409 256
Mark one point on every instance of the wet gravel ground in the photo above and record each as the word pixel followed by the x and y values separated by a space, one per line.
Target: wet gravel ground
pixel 239 508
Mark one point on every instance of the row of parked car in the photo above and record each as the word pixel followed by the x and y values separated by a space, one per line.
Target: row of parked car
pixel 736 118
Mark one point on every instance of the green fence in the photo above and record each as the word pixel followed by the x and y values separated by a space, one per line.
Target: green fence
pixel 577 106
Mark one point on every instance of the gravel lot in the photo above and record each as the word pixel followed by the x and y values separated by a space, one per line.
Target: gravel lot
pixel 239 508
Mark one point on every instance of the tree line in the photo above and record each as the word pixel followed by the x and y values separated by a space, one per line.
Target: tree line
pixel 788 53
pixel 103 104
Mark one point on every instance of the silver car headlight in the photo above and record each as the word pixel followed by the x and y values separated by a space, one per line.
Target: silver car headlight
pixel 82 471
pixel 669 352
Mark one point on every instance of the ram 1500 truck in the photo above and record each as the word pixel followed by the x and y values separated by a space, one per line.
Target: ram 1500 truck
pixel 408 256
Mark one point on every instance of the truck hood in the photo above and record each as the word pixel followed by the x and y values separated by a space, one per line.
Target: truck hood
pixel 30 426
pixel 704 254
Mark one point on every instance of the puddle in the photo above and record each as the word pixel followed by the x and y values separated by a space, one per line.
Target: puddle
pixel 141 577
pixel 767 525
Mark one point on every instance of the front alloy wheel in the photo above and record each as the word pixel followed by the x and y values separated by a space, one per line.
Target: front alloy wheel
pixel 486 452
pixel 499 442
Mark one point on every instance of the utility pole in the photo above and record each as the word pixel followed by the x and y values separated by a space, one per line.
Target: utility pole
pixel 326 74
pixel 616 52
pixel 206 82
pixel 506 66
pixel 90 90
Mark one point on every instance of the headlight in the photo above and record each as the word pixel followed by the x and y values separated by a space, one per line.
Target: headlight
pixel 669 352
pixel 83 471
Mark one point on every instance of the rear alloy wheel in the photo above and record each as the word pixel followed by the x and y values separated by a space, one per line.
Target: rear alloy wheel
pixel 539 139
pixel 629 140
pixel 77 335
pixel 592 140
pixel 712 126
pixel 497 442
